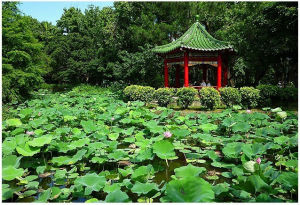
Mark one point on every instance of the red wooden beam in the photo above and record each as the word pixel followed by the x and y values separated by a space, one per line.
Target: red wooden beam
pixel 172 60
pixel 186 69
pixel 166 74
pixel 202 58
pixel 219 72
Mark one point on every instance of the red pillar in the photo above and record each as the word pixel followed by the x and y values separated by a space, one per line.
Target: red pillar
pixel 186 69
pixel 177 76
pixel 219 72
pixel 204 76
pixel 166 74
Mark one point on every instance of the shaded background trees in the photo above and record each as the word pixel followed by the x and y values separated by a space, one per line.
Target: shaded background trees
pixel 113 44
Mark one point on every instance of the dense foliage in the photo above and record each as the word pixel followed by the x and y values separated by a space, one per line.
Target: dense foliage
pixel 163 96
pixel 230 96
pixel 141 93
pixel 249 97
pixel 87 146
pixel 186 96
pixel 268 93
pixel 23 59
pixel 209 97
pixel 98 46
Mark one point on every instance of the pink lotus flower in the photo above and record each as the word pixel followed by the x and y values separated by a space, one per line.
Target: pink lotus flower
pixel 248 111
pixel 258 160
pixel 29 133
pixel 167 134
pixel 39 114
pixel 112 119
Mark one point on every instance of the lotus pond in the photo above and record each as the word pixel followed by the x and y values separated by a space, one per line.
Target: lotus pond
pixel 92 147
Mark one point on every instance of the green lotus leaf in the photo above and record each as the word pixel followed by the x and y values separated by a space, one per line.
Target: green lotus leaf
pixel 232 150
pixel 190 189
pixel 249 166
pixel 252 150
pixel 144 154
pixel 98 160
pixel 11 160
pixel 9 173
pixel 46 194
pixel 7 192
pixel 188 170
pixel 128 131
pixel 227 174
pixel 181 133
pixel 113 136
pixel 78 156
pixel 55 192
pixel 291 163
pixel 143 188
pixel 281 115
pixel 68 118
pixel 164 149
pixel 13 122
pixel 281 140
pixel 117 196
pixel 62 160
pixel 91 182
pixel 117 155
pixel 8 146
pixel 222 165
pixel 278 109
pixel 220 188
pixel 40 141
pixel 258 183
pixel 27 151
pixel 288 180
pixel 112 187
pixel 29 193
pixel 88 126
pixel 67 160
pixel 142 171
pixel 212 155
pixel 208 127
pixel 237 171
pixel 79 143
pixel 25 112
pixel 32 185
pixel 125 172
pixel 92 200
pixel 241 127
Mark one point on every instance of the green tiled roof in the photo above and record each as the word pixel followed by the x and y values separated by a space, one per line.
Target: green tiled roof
pixel 196 38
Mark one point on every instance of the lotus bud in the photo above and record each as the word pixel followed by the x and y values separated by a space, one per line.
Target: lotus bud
pixel 29 133
pixel 258 160
pixel 167 134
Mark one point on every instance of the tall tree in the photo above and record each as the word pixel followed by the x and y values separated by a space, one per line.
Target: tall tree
pixel 23 61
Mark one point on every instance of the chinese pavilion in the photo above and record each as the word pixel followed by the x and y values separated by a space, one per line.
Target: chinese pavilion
pixel 196 47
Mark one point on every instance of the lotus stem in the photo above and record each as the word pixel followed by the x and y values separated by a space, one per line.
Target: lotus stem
pixel 167 162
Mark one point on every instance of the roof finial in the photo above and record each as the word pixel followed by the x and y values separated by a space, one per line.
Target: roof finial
pixel 197 18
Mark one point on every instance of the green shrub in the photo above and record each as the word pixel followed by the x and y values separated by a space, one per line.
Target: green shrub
pixel 186 96
pixel 85 89
pixel 267 94
pixel 250 97
pixel 209 97
pixel 288 94
pixel 163 96
pixel 230 96
pixel 141 93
